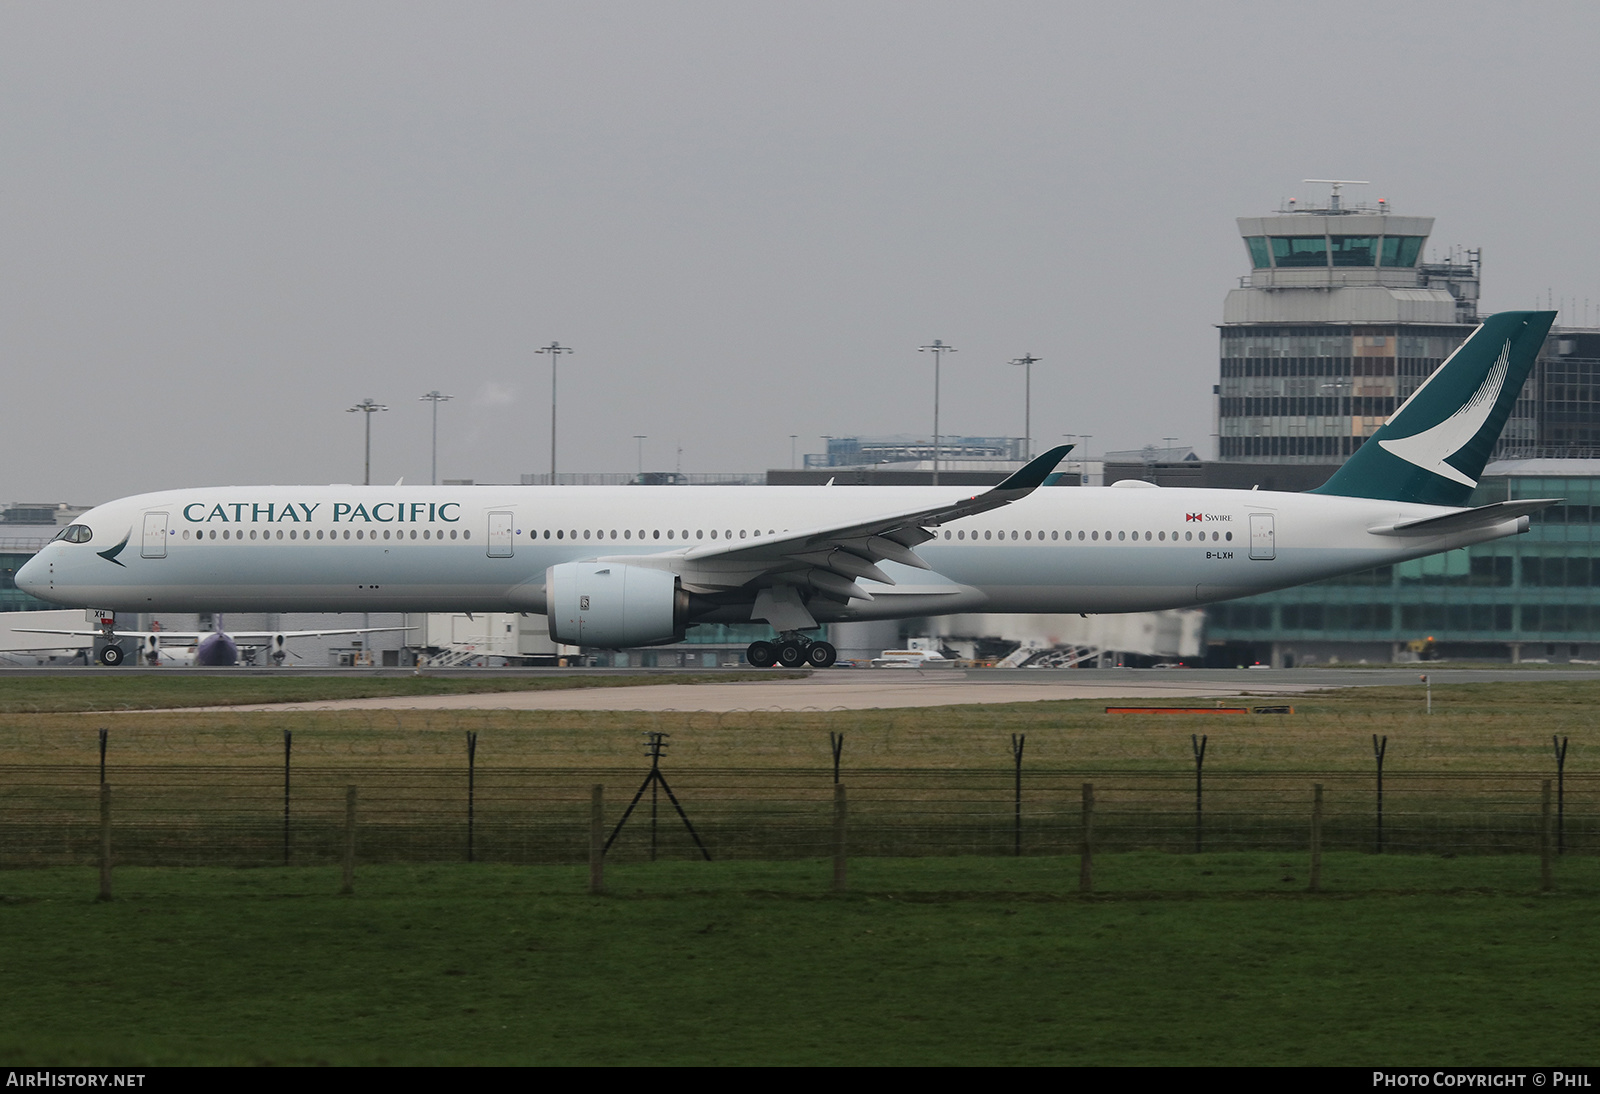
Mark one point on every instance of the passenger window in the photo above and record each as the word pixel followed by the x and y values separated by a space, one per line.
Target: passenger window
pixel 613 533
pixel 1013 535
pixel 1122 535
pixel 669 533
pixel 1080 535
pixel 741 533
pixel 1093 535
pixel 466 534
pixel 1230 537
pixel 561 534
pixel 656 534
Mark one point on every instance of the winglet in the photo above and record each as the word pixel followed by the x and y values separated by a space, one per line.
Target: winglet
pixel 1032 476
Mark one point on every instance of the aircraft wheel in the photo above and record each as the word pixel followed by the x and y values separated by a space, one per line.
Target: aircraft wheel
pixel 763 655
pixel 111 656
pixel 791 655
pixel 821 655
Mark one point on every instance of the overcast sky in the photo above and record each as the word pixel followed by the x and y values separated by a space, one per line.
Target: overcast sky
pixel 222 224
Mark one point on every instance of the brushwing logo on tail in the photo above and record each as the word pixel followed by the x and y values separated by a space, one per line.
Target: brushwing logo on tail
pixel 1429 449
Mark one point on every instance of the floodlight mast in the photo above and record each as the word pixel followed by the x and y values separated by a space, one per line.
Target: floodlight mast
pixel 435 398
pixel 367 408
pixel 1027 361
pixel 938 349
pixel 555 350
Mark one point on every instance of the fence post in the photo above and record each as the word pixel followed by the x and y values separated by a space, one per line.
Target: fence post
pixel 1379 748
pixel 103 755
pixel 105 841
pixel 349 840
pixel 836 743
pixel 472 766
pixel 1546 881
pixel 1018 740
pixel 840 861
pixel 288 741
pixel 1086 848
pixel 1316 837
pixel 1561 793
pixel 1199 746
pixel 597 839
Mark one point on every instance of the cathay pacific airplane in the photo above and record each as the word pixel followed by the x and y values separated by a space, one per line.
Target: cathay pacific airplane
pixel 625 566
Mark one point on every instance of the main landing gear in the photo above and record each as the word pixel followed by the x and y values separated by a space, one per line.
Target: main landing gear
pixel 791 651
pixel 110 656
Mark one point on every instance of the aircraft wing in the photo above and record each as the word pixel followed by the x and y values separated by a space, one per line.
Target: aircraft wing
pixel 267 636
pixel 833 556
pixel 187 637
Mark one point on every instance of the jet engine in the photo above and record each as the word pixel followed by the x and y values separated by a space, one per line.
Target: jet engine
pixel 614 606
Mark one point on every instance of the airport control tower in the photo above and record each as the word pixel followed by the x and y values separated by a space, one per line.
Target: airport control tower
pixel 1339 320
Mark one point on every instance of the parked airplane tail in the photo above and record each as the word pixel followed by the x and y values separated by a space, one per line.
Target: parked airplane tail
pixel 1433 449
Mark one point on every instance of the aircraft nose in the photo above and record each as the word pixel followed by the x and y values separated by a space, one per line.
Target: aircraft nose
pixel 34 577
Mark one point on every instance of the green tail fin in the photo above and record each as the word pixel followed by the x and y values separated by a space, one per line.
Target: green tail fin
pixel 1432 450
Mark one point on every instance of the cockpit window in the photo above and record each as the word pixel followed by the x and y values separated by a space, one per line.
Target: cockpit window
pixel 75 533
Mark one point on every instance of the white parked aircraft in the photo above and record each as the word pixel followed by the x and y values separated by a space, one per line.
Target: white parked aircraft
pixel 215 647
pixel 618 567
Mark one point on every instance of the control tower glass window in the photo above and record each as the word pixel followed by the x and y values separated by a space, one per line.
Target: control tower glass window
pixel 1260 257
pixel 1355 251
pixel 1292 251
pixel 1402 250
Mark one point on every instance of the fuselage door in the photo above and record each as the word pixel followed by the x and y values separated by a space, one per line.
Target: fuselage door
pixel 154 544
pixel 1263 541
pixel 500 535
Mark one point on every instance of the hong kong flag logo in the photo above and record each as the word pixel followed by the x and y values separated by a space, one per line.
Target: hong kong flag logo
pixel 1193 516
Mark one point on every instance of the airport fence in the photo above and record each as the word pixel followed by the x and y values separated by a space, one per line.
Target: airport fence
pixel 266 813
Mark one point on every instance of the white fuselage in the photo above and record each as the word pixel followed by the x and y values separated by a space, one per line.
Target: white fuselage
pixel 423 548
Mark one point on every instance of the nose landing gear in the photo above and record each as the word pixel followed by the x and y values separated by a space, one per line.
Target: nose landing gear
pixel 791 651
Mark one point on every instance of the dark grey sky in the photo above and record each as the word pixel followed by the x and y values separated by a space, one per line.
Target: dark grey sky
pixel 221 224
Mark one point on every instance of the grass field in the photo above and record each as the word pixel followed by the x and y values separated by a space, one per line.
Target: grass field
pixel 1219 957
pixel 1474 727
pixel 1216 959
pixel 110 690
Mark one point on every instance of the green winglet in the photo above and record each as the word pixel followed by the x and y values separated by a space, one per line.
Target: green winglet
pixel 1037 470
pixel 1433 449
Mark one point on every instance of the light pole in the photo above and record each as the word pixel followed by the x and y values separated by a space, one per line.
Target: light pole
pixel 938 349
pixel 555 350
pixel 435 398
pixel 640 437
pixel 792 438
pixel 367 408
pixel 1027 361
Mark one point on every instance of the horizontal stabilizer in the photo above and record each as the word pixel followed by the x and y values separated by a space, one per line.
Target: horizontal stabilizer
pixel 1485 516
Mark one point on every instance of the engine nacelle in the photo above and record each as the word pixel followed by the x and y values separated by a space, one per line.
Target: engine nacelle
pixel 614 607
